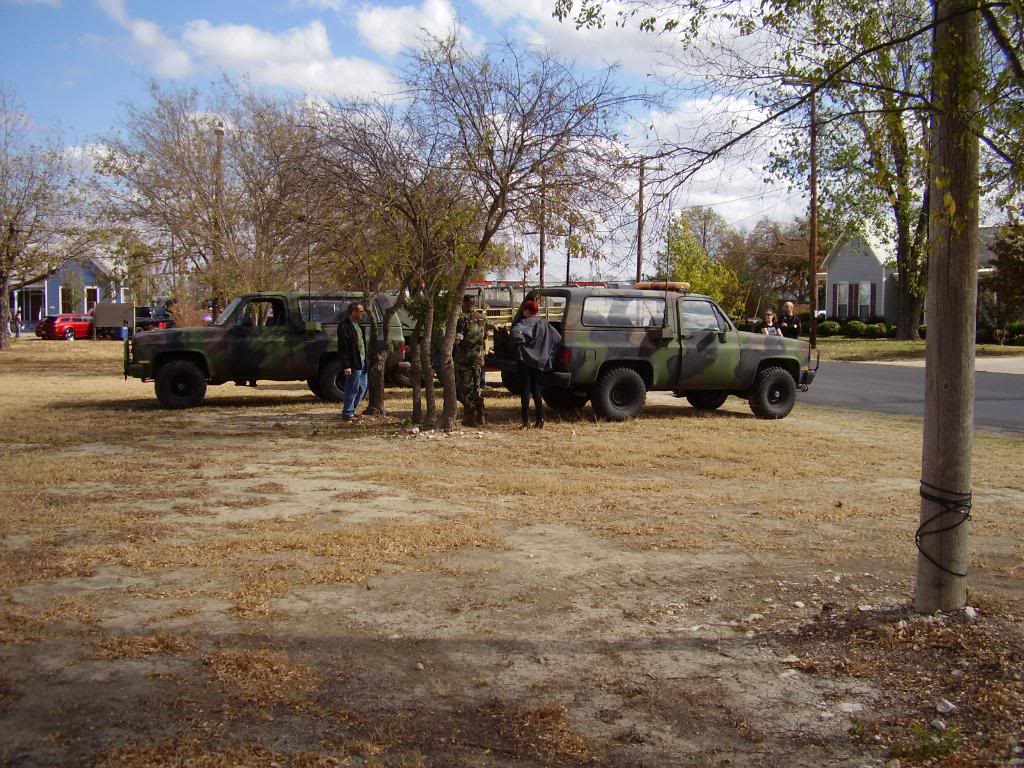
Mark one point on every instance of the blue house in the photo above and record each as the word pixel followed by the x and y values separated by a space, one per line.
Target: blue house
pixel 50 296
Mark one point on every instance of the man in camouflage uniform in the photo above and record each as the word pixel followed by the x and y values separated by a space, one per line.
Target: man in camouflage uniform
pixel 468 357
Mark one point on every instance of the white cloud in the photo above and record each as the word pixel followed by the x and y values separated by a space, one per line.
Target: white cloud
pixel 387 30
pixel 165 56
pixel 299 58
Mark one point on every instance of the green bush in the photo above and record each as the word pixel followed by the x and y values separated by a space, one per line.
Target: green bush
pixel 875 331
pixel 854 328
pixel 890 331
pixel 828 328
pixel 1015 327
pixel 922 330
pixel 1017 341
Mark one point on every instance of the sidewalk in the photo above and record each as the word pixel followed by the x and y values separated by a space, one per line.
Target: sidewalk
pixel 1013 364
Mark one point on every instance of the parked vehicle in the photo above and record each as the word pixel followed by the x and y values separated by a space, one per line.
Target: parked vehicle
pixel 152 318
pixel 618 344
pixel 259 336
pixel 64 326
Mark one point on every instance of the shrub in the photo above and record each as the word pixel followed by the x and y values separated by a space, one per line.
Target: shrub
pixel 1015 327
pixel 1017 341
pixel 828 328
pixel 922 330
pixel 983 336
pixel 875 331
pixel 854 328
pixel 890 331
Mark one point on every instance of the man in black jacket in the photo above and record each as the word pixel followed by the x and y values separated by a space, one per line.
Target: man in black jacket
pixel 789 322
pixel 352 352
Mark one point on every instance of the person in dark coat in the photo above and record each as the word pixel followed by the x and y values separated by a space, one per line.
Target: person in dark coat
pixel 534 341
pixel 352 353
pixel 789 323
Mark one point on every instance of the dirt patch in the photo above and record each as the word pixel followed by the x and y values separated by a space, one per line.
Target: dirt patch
pixel 255 582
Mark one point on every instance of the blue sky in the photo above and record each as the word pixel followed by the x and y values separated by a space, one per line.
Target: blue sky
pixel 75 63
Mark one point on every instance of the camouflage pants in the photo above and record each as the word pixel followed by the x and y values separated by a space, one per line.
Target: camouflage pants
pixel 468 382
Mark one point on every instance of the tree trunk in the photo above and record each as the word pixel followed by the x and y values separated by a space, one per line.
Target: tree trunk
pixel 908 314
pixel 5 310
pixel 451 403
pixel 416 374
pixel 427 369
pixel 952 300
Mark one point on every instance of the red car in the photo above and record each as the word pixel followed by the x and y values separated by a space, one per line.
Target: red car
pixel 65 327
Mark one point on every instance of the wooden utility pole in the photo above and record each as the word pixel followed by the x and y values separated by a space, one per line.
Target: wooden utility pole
pixel 640 225
pixel 568 252
pixel 542 227
pixel 951 303
pixel 813 256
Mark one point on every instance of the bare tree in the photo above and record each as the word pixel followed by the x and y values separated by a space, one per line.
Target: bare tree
pixel 218 189
pixel 42 216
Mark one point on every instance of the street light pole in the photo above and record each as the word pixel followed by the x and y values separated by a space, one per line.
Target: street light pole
pixel 568 252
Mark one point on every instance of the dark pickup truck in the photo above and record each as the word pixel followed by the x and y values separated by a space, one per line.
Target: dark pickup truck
pixel 152 318
pixel 259 336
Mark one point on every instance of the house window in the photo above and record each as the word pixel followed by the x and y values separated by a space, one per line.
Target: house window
pixel 840 306
pixel 92 297
pixel 864 306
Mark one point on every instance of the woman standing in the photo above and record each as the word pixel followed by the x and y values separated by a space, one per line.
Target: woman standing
pixel 770 327
pixel 534 340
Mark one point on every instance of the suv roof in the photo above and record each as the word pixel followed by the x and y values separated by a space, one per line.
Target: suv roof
pixel 631 293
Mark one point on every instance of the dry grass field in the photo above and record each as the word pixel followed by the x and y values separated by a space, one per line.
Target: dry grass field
pixel 256 583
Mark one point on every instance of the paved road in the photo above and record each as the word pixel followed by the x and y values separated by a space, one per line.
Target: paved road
pixel 998 400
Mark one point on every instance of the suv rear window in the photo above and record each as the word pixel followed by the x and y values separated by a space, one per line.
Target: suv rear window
pixel 623 312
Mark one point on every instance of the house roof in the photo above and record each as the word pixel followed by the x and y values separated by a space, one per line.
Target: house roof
pixel 878 245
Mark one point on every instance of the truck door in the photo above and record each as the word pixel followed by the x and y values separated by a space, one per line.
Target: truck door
pixel 259 340
pixel 709 346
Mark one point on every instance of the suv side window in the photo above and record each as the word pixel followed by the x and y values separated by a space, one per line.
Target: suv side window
pixel 698 315
pixel 623 312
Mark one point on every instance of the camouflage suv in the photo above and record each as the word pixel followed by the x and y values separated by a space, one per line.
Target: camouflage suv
pixel 618 344
pixel 259 336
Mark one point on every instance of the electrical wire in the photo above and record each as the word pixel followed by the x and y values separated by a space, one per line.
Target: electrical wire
pixel 949 502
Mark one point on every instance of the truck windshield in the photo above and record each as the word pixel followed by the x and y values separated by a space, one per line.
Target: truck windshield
pixel 222 319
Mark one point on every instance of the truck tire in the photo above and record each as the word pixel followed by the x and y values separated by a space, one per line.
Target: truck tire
pixel 619 394
pixel 565 400
pixel 332 382
pixel 510 380
pixel 708 399
pixel 314 387
pixel 773 394
pixel 180 384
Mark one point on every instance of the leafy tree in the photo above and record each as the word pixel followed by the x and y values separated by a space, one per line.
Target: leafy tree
pixel 1003 289
pixel 43 221
pixel 683 258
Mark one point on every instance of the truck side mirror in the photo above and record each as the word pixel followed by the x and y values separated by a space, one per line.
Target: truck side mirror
pixel 722 336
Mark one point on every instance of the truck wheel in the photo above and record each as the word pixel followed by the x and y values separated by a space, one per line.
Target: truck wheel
pixel 619 394
pixel 565 400
pixel 510 380
pixel 180 384
pixel 332 382
pixel 707 400
pixel 773 394
pixel 314 387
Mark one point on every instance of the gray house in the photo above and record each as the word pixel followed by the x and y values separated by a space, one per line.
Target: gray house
pixel 858 284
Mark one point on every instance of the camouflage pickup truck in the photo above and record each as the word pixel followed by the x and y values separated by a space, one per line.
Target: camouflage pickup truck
pixel 259 336
pixel 618 344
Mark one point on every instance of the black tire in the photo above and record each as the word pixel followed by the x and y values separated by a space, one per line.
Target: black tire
pixel 619 394
pixel 707 400
pixel 69 334
pixel 564 400
pixel 332 382
pixel 180 384
pixel 314 387
pixel 773 394
pixel 510 380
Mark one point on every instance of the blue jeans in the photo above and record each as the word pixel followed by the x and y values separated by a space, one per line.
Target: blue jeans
pixel 356 385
